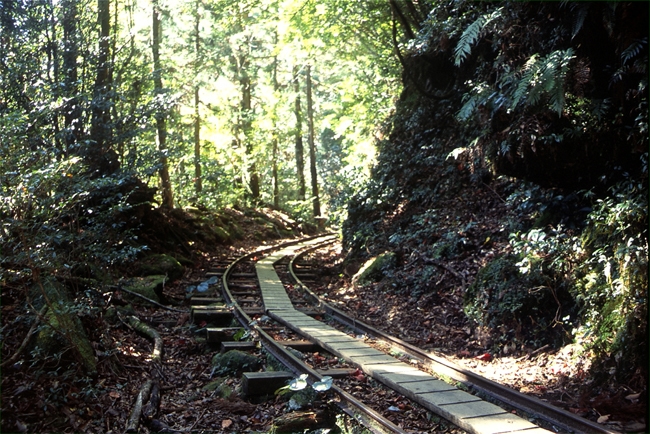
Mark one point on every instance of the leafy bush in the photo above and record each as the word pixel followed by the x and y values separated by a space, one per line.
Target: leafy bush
pixel 613 278
pixel 591 282
pixel 528 305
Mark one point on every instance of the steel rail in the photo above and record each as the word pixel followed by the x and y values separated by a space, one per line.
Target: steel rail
pixel 556 416
pixel 348 403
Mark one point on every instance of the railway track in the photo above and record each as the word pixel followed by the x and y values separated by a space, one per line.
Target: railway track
pixel 254 293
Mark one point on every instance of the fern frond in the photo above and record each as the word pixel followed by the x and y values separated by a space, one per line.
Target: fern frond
pixel 579 19
pixel 467 39
pixel 544 77
pixel 478 96
pixel 529 70
pixel 472 34
pixel 633 49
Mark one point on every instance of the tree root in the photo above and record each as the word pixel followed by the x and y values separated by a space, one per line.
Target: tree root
pixel 150 391
pixel 155 303
pixel 140 327
pixel 136 413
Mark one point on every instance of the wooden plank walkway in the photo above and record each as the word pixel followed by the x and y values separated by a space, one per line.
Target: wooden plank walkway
pixel 463 409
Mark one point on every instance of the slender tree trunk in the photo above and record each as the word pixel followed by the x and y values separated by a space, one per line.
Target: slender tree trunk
pixel 300 149
pixel 71 108
pixel 101 157
pixel 198 182
pixel 161 119
pixel 246 109
pixel 276 183
pixel 312 147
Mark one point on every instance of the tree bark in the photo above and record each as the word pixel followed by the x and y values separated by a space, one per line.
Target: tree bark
pixel 71 108
pixel 247 121
pixel 276 182
pixel 98 151
pixel 300 149
pixel 198 181
pixel 161 116
pixel 312 147
pixel 140 327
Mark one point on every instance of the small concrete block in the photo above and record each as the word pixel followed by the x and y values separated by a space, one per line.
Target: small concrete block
pixel 473 409
pixel 405 374
pixel 221 334
pixel 303 345
pixel 241 346
pixel 333 341
pixel 347 344
pixel 387 365
pixel 205 301
pixel 264 383
pixel 450 396
pixel 365 361
pixel 433 386
pixel 350 353
pixel 336 372
pixel 502 423
pixel 215 315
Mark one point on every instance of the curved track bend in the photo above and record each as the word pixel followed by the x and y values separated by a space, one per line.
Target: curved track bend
pixel 463 409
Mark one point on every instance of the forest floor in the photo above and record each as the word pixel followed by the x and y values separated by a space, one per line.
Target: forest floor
pixel 433 318
pixel 52 395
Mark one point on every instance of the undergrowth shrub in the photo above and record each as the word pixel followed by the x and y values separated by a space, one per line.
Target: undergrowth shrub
pixel 588 283
pixel 613 278
pixel 56 217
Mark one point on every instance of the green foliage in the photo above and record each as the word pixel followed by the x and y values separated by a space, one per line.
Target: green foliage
pixel 524 296
pixel 472 34
pixel 543 77
pixel 591 282
pixel 234 362
pixel 613 283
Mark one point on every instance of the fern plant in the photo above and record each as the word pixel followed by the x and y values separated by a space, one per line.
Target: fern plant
pixel 472 34
pixel 544 77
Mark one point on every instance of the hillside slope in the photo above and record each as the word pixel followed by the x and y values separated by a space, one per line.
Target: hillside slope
pixel 513 181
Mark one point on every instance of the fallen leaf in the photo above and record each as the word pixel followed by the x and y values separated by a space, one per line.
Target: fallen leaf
pixel 633 396
pixel 114 394
pixel 226 423
pixel 486 357
pixel 602 419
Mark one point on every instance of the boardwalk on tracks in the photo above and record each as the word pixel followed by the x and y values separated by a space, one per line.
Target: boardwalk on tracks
pixel 463 409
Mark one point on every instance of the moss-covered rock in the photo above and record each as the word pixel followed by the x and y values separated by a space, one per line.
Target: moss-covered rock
pixel 161 264
pixel 221 234
pixel 374 269
pixel 512 304
pixel 234 362
pixel 148 286
pixel 63 329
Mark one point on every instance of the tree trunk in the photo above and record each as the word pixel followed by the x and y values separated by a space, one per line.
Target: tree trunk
pixel 98 151
pixel 71 108
pixel 312 147
pixel 247 112
pixel 300 149
pixel 198 182
pixel 276 183
pixel 161 124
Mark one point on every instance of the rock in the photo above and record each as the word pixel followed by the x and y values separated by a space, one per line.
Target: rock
pixel 161 264
pixel 149 286
pixel 373 270
pixel 234 362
